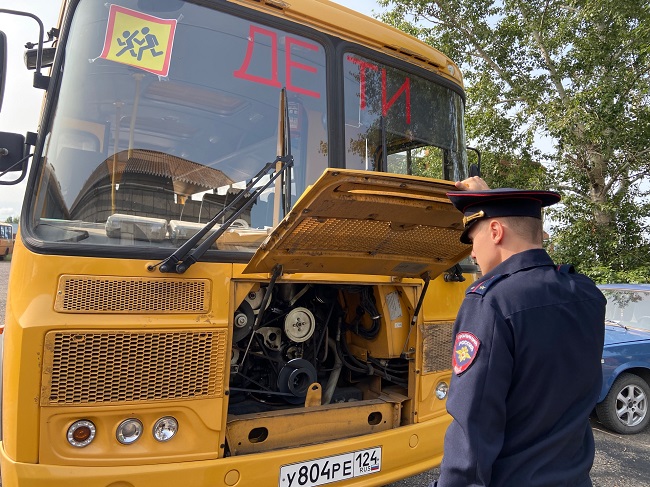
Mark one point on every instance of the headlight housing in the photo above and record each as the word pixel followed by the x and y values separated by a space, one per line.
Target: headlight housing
pixel 81 433
pixel 129 431
pixel 441 390
pixel 165 428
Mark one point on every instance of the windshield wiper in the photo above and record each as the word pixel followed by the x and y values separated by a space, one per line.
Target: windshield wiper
pixel 184 257
pixel 617 323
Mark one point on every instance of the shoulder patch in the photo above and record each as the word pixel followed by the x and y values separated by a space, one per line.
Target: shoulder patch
pixel 465 351
pixel 481 287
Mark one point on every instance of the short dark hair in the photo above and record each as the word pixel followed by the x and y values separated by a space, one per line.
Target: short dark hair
pixel 526 227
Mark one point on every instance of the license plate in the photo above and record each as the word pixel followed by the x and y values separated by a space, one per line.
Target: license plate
pixel 326 470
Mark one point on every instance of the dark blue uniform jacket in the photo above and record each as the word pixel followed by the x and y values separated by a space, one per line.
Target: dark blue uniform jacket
pixel 528 344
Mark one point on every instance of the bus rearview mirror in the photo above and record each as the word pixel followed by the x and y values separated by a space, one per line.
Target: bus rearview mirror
pixel 12 148
pixel 3 65
pixel 31 56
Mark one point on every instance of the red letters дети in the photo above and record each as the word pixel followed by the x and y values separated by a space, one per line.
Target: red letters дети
pixel 242 72
pixel 363 66
pixel 405 88
pixel 385 105
pixel 290 64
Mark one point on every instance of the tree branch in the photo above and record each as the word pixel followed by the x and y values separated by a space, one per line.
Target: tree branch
pixel 550 65
pixel 475 43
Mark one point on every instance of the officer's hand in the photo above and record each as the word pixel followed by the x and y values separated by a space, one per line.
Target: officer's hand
pixel 475 183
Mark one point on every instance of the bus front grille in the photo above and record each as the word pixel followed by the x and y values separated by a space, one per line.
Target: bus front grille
pixel 436 347
pixel 114 294
pixel 108 367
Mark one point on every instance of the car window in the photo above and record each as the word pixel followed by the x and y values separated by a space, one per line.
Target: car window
pixel 630 308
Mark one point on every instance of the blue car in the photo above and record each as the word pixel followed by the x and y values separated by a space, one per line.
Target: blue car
pixel 623 402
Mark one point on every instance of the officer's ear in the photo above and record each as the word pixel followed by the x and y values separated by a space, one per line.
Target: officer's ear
pixel 496 229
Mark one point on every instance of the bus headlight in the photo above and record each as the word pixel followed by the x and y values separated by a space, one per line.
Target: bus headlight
pixel 129 431
pixel 165 428
pixel 441 390
pixel 81 433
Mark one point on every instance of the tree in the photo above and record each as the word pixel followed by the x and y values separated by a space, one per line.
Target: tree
pixel 577 71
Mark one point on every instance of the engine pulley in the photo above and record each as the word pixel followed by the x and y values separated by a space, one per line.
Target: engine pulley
pixel 295 378
pixel 299 324
pixel 254 298
pixel 243 321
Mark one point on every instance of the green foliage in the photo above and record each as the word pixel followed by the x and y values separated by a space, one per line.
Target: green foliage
pixel 425 161
pixel 577 72
pixel 14 219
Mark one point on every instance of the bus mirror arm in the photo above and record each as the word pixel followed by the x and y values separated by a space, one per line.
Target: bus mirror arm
pixel 22 174
pixel 40 81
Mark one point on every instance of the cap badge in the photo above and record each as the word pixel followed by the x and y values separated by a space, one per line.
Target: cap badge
pixel 471 218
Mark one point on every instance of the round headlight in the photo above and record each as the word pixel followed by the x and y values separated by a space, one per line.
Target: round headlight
pixel 165 428
pixel 81 433
pixel 129 431
pixel 441 390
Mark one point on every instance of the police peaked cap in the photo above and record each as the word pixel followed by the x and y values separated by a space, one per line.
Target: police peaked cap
pixel 492 203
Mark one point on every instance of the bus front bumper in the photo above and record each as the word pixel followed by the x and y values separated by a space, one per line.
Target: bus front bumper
pixel 405 451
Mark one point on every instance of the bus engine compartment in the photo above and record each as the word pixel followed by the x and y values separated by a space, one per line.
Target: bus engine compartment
pixel 304 354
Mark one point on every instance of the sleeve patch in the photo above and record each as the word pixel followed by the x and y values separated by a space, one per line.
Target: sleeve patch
pixel 465 351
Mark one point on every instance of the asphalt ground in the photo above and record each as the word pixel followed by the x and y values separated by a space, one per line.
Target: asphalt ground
pixel 621 461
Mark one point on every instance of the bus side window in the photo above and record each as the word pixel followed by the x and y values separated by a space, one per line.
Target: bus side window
pixel 426 161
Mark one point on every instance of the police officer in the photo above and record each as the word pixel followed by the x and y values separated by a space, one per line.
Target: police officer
pixel 527 346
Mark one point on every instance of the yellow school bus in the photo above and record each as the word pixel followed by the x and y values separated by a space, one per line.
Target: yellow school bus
pixel 6 240
pixel 237 264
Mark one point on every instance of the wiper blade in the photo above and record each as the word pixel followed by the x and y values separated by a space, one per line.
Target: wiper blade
pixel 184 257
pixel 617 323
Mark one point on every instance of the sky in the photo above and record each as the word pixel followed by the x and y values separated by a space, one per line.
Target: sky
pixel 22 103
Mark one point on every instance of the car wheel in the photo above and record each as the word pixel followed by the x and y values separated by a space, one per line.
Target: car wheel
pixel 625 408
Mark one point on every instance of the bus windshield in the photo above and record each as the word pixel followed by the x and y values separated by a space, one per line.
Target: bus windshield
pixel 166 110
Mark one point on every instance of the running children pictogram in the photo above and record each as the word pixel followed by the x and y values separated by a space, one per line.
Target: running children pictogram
pixel 139 40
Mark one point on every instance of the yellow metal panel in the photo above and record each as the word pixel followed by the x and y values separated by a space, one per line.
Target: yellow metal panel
pixel 406 451
pixel 197 437
pixel 253 433
pixel 31 315
pixel 395 312
pixel 429 406
pixel 364 222
pixel 443 299
pixel 434 363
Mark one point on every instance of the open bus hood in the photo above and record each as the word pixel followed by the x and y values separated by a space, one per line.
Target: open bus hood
pixel 361 222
